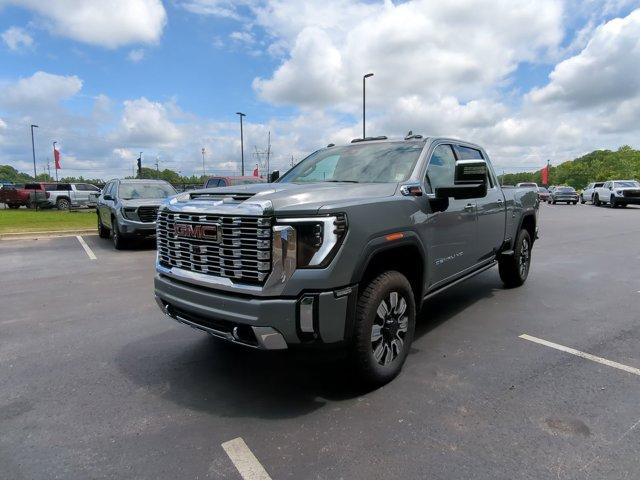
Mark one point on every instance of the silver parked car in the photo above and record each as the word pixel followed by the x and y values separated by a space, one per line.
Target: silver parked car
pixel 128 209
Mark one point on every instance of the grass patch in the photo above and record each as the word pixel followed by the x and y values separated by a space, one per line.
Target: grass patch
pixel 23 220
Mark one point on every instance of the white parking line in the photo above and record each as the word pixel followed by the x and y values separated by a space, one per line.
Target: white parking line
pixel 90 253
pixel 578 353
pixel 244 460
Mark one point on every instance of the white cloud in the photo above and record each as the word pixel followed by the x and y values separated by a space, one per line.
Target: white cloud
pixel 108 24
pixel 242 37
pixel 414 48
pixel 607 70
pixel 146 123
pixel 136 55
pixel 40 89
pixel 17 38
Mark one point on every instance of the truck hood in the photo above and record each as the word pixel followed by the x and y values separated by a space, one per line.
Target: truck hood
pixel 301 198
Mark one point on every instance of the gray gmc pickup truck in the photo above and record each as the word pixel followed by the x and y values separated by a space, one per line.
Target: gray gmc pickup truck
pixel 343 249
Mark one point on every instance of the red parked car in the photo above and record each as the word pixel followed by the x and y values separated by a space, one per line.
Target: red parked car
pixel 213 182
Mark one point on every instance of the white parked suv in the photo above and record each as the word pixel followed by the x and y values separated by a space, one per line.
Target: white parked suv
pixel 589 190
pixel 617 193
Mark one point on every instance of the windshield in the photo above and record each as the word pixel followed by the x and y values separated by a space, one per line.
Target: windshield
pixel 626 184
pixel 542 189
pixel 566 190
pixel 367 163
pixel 130 191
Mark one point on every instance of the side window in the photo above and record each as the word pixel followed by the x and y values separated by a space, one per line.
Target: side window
pixel 213 182
pixel 466 153
pixel 222 183
pixel 441 169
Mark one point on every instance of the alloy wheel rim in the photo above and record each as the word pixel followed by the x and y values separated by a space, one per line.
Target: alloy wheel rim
pixel 390 328
pixel 523 258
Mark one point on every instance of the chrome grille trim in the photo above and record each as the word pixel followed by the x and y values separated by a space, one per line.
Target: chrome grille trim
pixel 243 252
pixel 148 214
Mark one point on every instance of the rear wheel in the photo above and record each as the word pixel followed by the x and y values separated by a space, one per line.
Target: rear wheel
pixel 385 322
pixel 63 204
pixel 13 205
pixel 514 269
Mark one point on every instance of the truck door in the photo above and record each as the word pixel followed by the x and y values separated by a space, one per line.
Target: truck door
pixel 490 209
pixel 448 235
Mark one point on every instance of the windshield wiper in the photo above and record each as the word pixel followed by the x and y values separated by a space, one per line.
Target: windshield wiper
pixel 342 181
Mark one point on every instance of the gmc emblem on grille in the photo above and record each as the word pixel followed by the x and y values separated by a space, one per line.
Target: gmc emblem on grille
pixel 200 232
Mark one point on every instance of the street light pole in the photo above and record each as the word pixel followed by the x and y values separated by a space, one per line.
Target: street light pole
pixel 364 97
pixel 241 143
pixel 33 150
pixel 204 173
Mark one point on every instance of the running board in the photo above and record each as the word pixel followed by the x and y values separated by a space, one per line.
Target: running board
pixel 461 279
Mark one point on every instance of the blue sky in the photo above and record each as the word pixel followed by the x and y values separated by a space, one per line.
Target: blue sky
pixel 166 78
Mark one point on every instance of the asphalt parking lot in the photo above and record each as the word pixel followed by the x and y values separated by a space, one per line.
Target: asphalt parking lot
pixel 96 383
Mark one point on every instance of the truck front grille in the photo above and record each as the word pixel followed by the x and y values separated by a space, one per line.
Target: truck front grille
pixel 631 193
pixel 236 247
pixel 147 214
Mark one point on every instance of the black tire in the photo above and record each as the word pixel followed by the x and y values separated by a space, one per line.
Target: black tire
pixel 575 203
pixel 596 200
pixel 385 323
pixel 612 202
pixel 622 205
pixel 582 200
pixel 63 204
pixel 119 242
pixel 514 269
pixel 13 206
pixel 554 202
pixel 103 232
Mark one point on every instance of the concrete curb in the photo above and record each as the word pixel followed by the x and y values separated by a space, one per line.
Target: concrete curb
pixel 47 234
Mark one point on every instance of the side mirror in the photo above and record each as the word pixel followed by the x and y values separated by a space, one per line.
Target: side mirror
pixel 470 181
pixel 275 175
pixel 107 197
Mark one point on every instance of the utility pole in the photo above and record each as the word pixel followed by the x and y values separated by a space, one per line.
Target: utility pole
pixel 241 143
pixel 204 172
pixel 268 153
pixel 364 97
pixel 48 167
pixel 33 150
pixel 157 168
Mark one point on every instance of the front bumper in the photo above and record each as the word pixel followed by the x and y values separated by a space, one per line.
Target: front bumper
pixel 628 200
pixel 565 198
pixel 131 228
pixel 269 323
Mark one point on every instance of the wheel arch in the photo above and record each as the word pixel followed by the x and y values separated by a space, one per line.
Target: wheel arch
pixel 406 255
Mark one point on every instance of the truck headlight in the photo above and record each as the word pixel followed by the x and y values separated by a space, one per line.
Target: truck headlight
pixel 129 212
pixel 619 193
pixel 318 238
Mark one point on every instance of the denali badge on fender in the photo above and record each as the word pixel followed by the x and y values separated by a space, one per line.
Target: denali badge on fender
pixel 200 232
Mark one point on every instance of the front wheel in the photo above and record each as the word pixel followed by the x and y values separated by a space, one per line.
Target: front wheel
pixel 103 232
pixel 385 323
pixel 514 269
pixel 119 242
pixel 582 200
pixel 596 200
pixel 612 202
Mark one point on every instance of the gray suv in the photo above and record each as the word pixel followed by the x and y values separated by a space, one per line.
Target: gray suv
pixel 343 249
pixel 128 209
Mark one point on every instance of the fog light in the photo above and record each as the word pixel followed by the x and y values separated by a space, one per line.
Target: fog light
pixel 306 314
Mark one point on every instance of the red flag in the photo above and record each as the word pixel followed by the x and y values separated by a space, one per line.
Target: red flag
pixel 256 173
pixel 545 175
pixel 56 157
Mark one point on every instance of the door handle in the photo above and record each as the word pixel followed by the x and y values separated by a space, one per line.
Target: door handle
pixel 469 207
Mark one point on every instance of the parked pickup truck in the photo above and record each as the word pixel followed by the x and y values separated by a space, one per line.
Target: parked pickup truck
pixel 617 193
pixel 29 195
pixel 66 195
pixel 343 249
